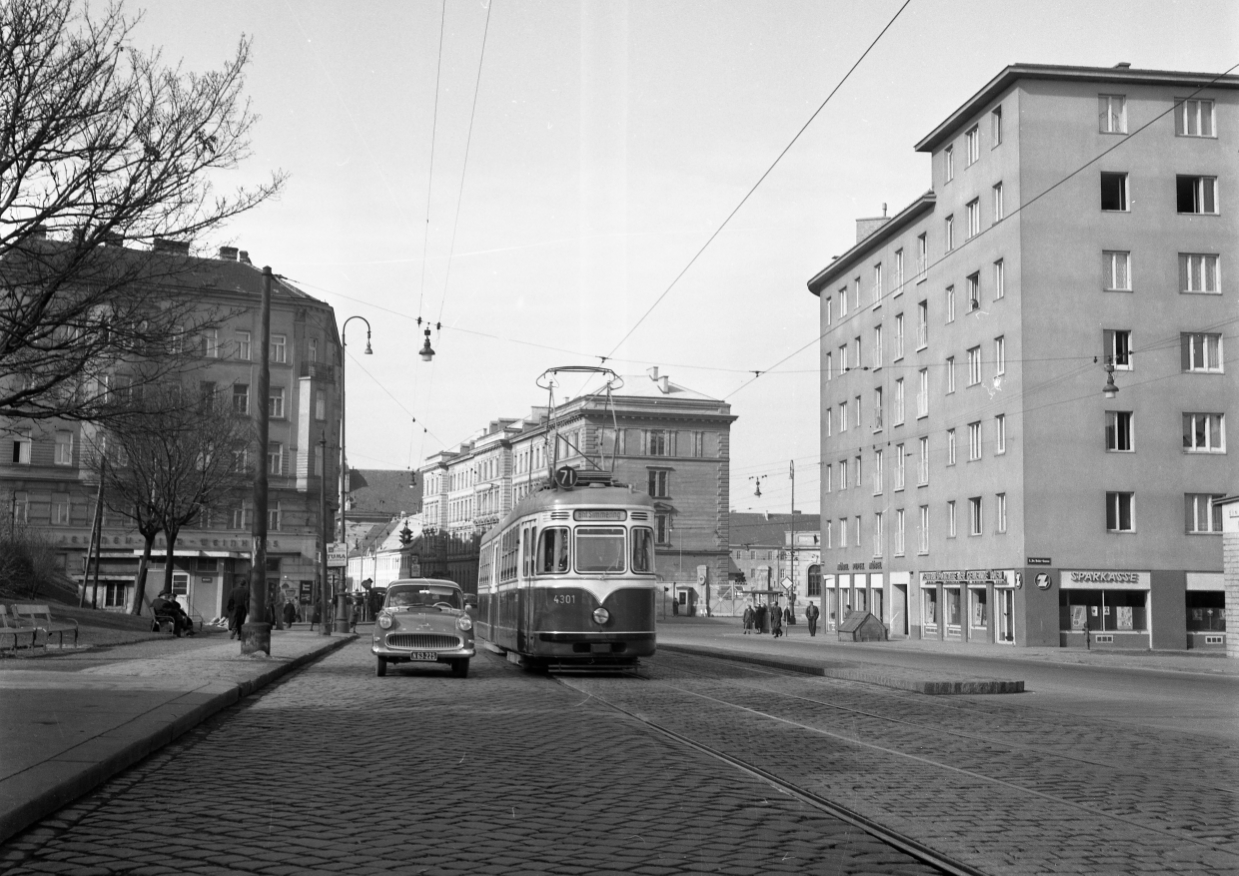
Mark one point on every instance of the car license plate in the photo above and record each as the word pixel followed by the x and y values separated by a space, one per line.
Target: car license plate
pixel 424 655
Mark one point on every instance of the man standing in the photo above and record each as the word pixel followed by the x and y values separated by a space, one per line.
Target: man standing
pixel 811 615
pixel 748 619
pixel 238 607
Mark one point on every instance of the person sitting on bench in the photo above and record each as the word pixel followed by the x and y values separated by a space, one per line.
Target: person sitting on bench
pixel 165 605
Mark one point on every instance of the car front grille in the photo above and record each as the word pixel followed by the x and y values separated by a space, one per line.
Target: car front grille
pixel 420 641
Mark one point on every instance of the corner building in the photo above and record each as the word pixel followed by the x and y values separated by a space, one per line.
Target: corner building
pixel 1025 390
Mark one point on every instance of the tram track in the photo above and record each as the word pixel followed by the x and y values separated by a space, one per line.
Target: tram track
pixel 1105 816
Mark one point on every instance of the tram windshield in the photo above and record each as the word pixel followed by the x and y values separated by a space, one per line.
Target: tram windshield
pixel 553 550
pixel 600 549
pixel 642 549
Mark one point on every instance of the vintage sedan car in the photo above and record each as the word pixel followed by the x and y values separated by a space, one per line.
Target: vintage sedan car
pixel 423 620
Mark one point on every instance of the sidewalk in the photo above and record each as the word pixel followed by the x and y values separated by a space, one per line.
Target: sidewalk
pixel 71 720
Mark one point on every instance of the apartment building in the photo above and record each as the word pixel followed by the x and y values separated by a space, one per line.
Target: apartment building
pixel 671 442
pixel 47 485
pixel 1024 383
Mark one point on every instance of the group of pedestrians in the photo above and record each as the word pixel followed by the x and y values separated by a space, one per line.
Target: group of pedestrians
pixel 758 616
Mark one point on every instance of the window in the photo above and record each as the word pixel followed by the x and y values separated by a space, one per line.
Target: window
pixel 1201 351
pixel 898 290
pixel 279 348
pixel 974 217
pixel 275 458
pixel 877 283
pixel 318 465
pixel 950 519
pixel 877 533
pixel 22 445
pixel 923 532
pixel 995 126
pixel 976 517
pixel 276 409
pixel 974 366
pixel 1112 113
pixel 843 474
pixel 860 362
pixel 856 461
pixel 843 532
pixel 922 325
pixel 950 304
pixel 61 509
pixel 1198 272
pixel 1118 348
pixel 210 344
pixel 241 517
pixel 898 337
pixel 1000 280
pixel 974 291
pixel 64 448
pixel 999 210
pixel 950 374
pixel 828 419
pixel 240 398
pixel 922 255
pixel 950 446
pixel 898 412
pixel 949 229
pixel 243 345
pixel 1114 191
pixel 273 518
pixel 240 460
pixel 1196 194
pixel 856 530
pixel 843 301
pixel 1001 511
pixel 899 466
pixel 829 366
pixel 1203 513
pixel 922 472
pixel 856 294
pixel 312 349
pixel 857 402
pixel 656 443
pixel 843 358
pixel 1204 433
pixel 973 141
pixel 1120 512
pixel 1000 355
pixel 974 441
pixel 922 394
pixel 877 409
pixel 826 305
pixel 658 484
pixel 320 405
pixel 1118 432
pixel 948 163
pixel 1000 433
pixel 829 477
pixel 843 416
pixel 1116 270
pixel 877 472
pixel 1193 118
pixel 899 532
pixel 877 346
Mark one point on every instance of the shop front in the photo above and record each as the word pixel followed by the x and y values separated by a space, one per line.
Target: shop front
pixel 1104 609
pixel 968 605
pixel 1205 604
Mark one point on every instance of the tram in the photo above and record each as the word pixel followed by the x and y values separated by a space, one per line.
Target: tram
pixel 566 579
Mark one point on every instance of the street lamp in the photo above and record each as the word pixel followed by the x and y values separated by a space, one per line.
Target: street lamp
pixel 1109 390
pixel 341 620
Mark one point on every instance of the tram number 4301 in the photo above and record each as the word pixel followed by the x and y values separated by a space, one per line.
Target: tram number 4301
pixel 565 599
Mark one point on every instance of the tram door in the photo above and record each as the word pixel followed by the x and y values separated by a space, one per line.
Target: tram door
pixel 525 636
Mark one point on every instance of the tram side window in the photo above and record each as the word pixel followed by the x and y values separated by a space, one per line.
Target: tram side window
pixel 642 549
pixel 553 550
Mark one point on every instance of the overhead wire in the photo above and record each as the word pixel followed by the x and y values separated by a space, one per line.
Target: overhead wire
pixel 434 127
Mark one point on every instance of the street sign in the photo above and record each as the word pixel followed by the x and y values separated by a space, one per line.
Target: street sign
pixel 337 555
pixel 415 570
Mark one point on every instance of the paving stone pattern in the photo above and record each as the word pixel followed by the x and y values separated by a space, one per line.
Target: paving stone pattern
pixel 987 781
pixel 336 771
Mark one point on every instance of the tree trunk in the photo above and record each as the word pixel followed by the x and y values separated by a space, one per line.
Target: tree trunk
pixel 139 581
pixel 171 535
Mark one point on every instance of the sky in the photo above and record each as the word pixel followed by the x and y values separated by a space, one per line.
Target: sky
pixel 540 178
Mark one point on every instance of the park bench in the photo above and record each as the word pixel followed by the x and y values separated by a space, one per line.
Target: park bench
pixel 41 617
pixel 16 628
pixel 165 622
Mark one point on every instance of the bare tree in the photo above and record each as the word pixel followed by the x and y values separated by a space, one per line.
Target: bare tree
pixel 170 466
pixel 101 143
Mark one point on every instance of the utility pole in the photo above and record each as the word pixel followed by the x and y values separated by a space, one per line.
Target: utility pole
pixel 324 589
pixel 791 556
pixel 256 631
pixel 96 531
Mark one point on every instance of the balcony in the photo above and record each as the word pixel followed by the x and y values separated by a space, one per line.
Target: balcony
pixel 318 371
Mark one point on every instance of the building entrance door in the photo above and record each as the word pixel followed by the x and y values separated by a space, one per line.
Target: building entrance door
pixel 1006 615
pixel 877 605
pixel 899 610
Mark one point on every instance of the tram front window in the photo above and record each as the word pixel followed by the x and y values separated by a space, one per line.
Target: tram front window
pixel 600 549
pixel 553 550
pixel 642 549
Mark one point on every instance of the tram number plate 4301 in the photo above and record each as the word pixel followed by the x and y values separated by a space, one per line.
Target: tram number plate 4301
pixel 424 655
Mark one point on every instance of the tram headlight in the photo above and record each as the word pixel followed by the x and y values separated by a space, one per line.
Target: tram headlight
pixel 385 621
pixel 601 615
pixel 463 623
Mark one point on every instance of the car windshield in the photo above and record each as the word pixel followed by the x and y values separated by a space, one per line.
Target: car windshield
pixel 600 549
pixel 415 596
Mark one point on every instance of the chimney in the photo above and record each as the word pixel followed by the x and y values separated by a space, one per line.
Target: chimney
pixel 1123 65
pixel 173 247
pixel 39 232
pixel 866 227
pixel 244 257
pixel 653 372
pixel 228 253
pixel 113 238
pixel 664 384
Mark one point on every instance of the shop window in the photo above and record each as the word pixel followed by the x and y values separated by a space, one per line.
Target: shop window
pixel 1103 610
pixel 1206 611
pixel 929 608
pixel 952 607
pixel 978 611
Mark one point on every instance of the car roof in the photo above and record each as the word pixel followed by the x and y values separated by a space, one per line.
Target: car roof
pixel 415 582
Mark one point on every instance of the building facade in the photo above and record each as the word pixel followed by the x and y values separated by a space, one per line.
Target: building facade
pixel 1024 388
pixel 47 485
pixel 660 437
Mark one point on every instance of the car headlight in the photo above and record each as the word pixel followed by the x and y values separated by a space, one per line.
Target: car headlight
pixel 463 623
pixel 601 615
pixel 385 621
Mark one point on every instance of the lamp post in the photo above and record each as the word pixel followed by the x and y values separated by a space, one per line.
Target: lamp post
pixel 256 631
pixel 323 598
pixel 342 623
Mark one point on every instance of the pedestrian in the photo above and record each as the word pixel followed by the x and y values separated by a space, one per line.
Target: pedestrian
pixel 776 621
pixel 165 604
pixel 759 618
pixel 748 619
pixel 811 614
pixel 789 617
pixel 290 613
pixel 238 607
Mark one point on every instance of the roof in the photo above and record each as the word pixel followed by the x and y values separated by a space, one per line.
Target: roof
pixel 1054 72
pixel 382 494
pixel 757 530
pixel 898 224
